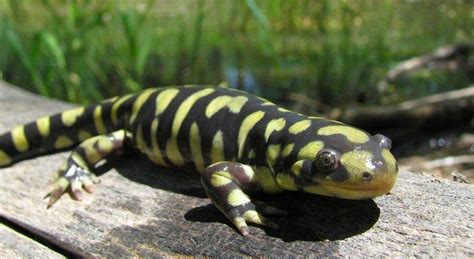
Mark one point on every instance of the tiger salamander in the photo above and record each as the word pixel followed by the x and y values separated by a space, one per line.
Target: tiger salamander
pixel 239 143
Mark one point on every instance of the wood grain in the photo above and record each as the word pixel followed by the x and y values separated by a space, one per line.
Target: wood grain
pixel 16 245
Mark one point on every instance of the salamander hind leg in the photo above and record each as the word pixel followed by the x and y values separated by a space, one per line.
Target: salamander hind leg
pixel 225 183
pixel 76 173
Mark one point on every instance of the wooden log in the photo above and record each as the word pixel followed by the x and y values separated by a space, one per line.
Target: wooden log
pixel 16 245
pixel 451 108
pixel 142 210
pixel 454 57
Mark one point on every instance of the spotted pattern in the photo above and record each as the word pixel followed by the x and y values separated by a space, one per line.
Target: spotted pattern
pixel 273 152
pixel 247 124
pixel 69 117
pixel 43 126
pixel 237 197
pixel 98 121
pixel 286 181
pixel 116 106
pixel 217 104
pixel 137 105
pixel 172 149
pixel 287 150
pixel 237 103
pixel 239 143
pixel 83 135
pixel 310 150
pixel 299 127
pixel 19 139
pixel 164 99
pixel 217 149
pixel 4 158
pixel 156 155
pixel 274 125
pixel 63 142
pixel 196 150
pixel 352 134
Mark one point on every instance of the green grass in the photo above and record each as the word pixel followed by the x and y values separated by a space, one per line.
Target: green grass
pixel 333 51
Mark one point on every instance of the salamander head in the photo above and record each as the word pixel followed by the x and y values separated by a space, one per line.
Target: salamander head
pixel 342 161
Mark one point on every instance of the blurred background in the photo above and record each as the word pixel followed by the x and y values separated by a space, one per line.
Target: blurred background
pixel 373 64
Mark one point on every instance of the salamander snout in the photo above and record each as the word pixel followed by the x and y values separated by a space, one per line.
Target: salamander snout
pixel 383 141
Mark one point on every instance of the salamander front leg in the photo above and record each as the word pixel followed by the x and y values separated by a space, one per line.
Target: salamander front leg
pixel 225 183
pixel 76 173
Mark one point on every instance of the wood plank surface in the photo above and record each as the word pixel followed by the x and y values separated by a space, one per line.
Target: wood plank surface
pixel 16 245
pixel 142 210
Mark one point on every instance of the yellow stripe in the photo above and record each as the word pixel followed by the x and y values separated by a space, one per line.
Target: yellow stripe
pixel 98 121
pixel 296 167
pixel 140 140
pixel 237 197
pixel 79 161
pixel 83 135
pixel 116 106
pixel 104 145
pixel 156 157
pixel 217 149
pixel 248 171
pixel 218 180
pixel 267 103
pixel 247 124
pixel 266 179
pixel 137 105
pixel 299 127
pixel 287 182
pixel 43 126
pixel 273 151
pixel 63 142
pixel 4 158
pixel 69 117
pixel 172 149
pixel 19 139
pixel 195 145
pixel 164 99
pixel 274 125
pixel 217 104
pixel 352 134
pixel 92 156
pixel 283 109
pixel 111 99
pixel 237 103
pixel 287 150
pixel 310 150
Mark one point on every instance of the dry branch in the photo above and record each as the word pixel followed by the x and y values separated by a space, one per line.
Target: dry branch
pixel 453 57
pixel 449 108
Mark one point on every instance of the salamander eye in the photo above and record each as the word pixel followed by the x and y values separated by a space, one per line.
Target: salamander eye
pixel 327 160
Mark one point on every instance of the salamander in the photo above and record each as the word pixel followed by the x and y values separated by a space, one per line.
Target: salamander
pixel 239 143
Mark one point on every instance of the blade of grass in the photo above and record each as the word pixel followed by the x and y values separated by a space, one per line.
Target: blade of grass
pixel 143 53
pixel 258 13
pixel 51 42
pixel 15 43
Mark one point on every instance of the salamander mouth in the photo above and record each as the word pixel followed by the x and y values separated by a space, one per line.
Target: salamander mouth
pixel 346 191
